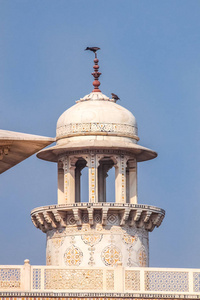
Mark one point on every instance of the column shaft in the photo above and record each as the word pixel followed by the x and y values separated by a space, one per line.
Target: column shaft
pixel 93 178
pixel 69 181
pixel 132 164
pixel 61 196
pixel 120 180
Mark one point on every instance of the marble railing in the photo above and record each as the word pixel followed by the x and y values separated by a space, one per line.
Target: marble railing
pixel 146 281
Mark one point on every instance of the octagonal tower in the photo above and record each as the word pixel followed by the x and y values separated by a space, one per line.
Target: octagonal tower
pixel 98 134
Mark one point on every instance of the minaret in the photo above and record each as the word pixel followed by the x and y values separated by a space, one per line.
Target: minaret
pixel 98 134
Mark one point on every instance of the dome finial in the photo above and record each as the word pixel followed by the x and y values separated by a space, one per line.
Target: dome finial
pixel 96 73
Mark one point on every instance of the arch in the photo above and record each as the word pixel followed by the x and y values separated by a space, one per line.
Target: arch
pixel 105 164
pixel 110 185
pixel 80 168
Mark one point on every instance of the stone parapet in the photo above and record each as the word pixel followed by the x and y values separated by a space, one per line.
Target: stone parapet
pixel 114 282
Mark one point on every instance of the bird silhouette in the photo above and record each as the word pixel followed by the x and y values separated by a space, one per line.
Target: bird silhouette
pixel 115 97
pixel 93 49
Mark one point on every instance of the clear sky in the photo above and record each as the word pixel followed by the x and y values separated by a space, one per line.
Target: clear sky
pixel 150 57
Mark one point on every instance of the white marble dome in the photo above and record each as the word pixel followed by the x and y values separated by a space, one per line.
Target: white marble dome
pixel 96 114
pixel 96 123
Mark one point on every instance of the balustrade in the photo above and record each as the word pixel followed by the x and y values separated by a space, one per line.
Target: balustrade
pixel 146 281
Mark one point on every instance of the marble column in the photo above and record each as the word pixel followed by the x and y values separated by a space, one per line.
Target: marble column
pixel 61 196
pixel 132 168
pixel 120 179
pixel 93 178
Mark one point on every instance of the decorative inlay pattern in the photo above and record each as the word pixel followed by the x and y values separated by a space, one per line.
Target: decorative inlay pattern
pixel 147 281
pixel 166 281
pixel 123 183
pixel 92 183
pixel 10 278
pixel 71 220
pixel 57 242
pixel 111 255
pixel 129 239
pixel 112 219
pixel 196 282
pixel 109 280
pixel 95 128
pixel 91 239
pixel 132 280
pixel 131 215
pixel 73 279
pixel 73 256
pixel 142 257
pixel 48 258
pixel 36 279
pixel 97 218
pixel 85 218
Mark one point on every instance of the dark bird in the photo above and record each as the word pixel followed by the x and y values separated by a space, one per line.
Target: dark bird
pixel 93 49
pixel 115 97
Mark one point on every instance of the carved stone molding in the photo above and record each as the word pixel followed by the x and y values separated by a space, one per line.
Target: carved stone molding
pixel 114 129
pixel 137 215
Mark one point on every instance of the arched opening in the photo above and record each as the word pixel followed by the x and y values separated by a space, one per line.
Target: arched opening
pixel 106 181
pixel 81 181
pixel 110 185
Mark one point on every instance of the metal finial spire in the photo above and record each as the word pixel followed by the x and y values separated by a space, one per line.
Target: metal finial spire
pixel 96 73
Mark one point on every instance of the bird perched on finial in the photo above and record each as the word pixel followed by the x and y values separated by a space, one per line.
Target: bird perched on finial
pixel 115 97
pixel 93 49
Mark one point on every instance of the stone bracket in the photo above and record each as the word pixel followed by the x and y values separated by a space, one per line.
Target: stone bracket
pixel 136 215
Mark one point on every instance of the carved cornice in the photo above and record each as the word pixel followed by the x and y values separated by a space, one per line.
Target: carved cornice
pixel 100 154
pixel 55 216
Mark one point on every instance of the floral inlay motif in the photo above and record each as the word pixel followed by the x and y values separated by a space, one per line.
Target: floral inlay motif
pixel 142 257
pixel 111 255
pixel 73 256
pixel 57 242
pixel 91 239
pixel 129 239
pixel 48 259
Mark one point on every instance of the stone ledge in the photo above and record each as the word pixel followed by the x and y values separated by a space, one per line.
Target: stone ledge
pixel 95 296
pixel 56 216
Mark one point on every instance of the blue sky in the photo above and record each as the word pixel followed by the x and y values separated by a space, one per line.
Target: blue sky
pixel 150 57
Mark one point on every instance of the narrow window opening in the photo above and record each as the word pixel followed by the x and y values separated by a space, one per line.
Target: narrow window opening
pixel 106 183
pixel 127 186
pixel 81 181
pixel 110 183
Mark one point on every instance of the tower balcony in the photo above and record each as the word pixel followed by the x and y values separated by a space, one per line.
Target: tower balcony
pixel 97 234
pixel 79 214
